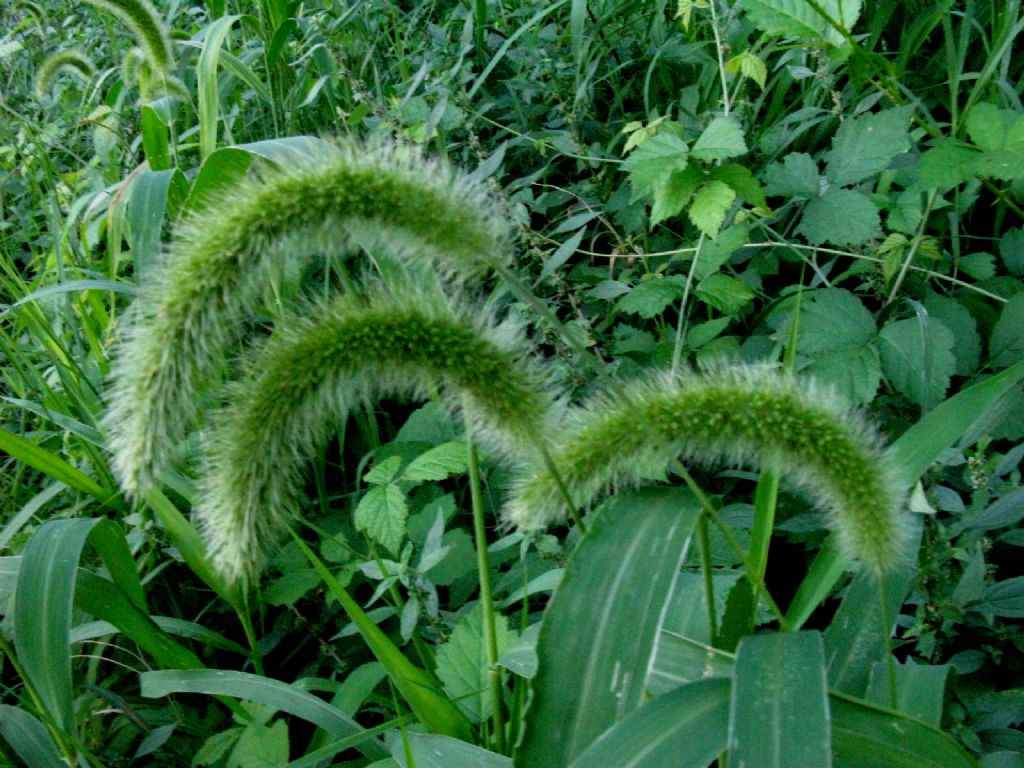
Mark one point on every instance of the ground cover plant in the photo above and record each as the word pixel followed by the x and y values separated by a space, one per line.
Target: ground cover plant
pixel 491 384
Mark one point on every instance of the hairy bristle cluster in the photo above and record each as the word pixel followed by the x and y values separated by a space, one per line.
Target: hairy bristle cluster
pixel 737 416
pixel 69 60
pixel 222 258
pixel 146 26
pixel 329 358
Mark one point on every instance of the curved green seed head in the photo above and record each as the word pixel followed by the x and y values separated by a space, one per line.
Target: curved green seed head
pixel 315 369
pixel 69 60
pixel 737 416
pixel 146 26
pixel 222 258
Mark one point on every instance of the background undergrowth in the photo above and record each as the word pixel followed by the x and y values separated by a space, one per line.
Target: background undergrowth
pixel 835 186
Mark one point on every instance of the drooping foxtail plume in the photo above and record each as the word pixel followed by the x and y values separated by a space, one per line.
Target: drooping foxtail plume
pixel 222 258
pixel 326 359
pixel 68 60
pixel 146 26
pixel 737 416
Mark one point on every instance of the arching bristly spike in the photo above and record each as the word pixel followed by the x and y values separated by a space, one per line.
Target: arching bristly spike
pixel 68 60
pixel 738 416
pixel 320 364
pixel 222 258
pixel 146 26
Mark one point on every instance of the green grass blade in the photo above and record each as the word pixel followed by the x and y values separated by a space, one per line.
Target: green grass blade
pixel 864 736
pixel 28 738
pixel 598 637
pixel 172 626
pixel 687 727
pixel 206 75
pixel 273 693
pixel 27 512
pixel 780 712
pixel 420 689
pixel 51 465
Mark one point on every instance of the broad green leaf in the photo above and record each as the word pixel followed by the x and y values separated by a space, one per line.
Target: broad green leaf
pixel 854 372
pixel 721 140
pixel 993 129
pixel 920 689
pixel 779 716
pixel 219 172
pixel 833 319
pixel 261 746
pixel 717 252
pixel 673 193
pixel 796 176
pixel 681 660
pixel 444 752
pixel 438 463
pixel 1004 598
pixel 726 294
pixel 742 181
pixel 864 736
pixel 650 297
pixel 866 145
pixel 796 18
pixel 917 358
pixel 686 728
pixel 840 217
pixel 709 206
pixel 155 139
pixel 1006 346
pixel 948 164
pixel 50 464
pixel 152 194
pixel 28 738
pixel 462 663
pixel 1011 250
pixel 382 513
pixel 384 472
pixel 966 342
pixel 280 696
pixel 653 161
pixel 599 632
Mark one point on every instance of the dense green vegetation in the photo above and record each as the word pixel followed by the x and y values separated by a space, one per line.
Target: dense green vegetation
pixel 550 384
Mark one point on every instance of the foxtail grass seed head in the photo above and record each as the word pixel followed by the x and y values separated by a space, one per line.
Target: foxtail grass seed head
pixel 220 260
pixel 324 361
pixel 147 27
pixel 69 60
pixel 737 416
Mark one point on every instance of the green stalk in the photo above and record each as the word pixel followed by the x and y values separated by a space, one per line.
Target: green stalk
pixel 709 580
pixel 486 598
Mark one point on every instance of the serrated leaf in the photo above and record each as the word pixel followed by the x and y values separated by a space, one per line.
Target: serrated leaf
pixel 462 663
pixel 710 205
pixel 1002 164
pixel 796 18
pixel 742 181
pixel 722 139
pixel 384 472
pixel 988 126
pixel 381 514
pixel 840 217
pixel 948 164
pixel 795 176
pixel 979 265
pixel 653 161
pixel 717 252
pixel 438 463
pixel 866 145
pixel 650 297
pixel 261 746
pixel 1006 345
pixel 956 317
pixel 749 65
pixel 917 358
pixel 834 319
pixel 726 294
pixel 1011 250
pixel 672 195
pixel 854 372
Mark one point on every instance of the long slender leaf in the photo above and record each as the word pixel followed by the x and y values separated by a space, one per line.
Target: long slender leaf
pixel 273 693
pixel 29 738
pixel 206 75
pixel 686 728
pixel 780 711
pixel 50 464
pixel 598 638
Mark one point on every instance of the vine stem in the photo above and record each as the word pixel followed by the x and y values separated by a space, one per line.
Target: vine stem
pixel 721 60
pixel 486 598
